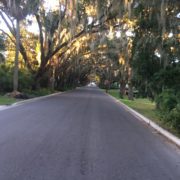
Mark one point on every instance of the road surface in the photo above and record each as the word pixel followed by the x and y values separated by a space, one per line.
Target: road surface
pixel 82 135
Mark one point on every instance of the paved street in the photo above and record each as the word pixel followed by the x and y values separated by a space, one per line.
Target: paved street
pixel 82 135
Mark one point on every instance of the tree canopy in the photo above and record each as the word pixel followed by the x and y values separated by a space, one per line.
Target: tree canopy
pixel 132 40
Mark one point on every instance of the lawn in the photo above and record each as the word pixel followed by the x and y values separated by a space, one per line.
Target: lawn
pixel 141 105
pixel 6 100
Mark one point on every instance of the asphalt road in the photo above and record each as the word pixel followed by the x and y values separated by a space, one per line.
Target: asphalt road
pixel 82 135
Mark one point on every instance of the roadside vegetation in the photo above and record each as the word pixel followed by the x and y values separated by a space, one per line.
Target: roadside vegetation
pixel 147 108
pixel 6 100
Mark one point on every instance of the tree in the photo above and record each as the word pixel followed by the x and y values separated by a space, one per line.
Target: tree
pixel 2 49
pixel 76 28
pixel 18 9
pixel 155 44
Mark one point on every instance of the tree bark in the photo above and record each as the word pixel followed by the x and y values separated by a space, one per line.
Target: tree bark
pixel 122 89
pixel 130 92
pixel 16 61
pixel 130 86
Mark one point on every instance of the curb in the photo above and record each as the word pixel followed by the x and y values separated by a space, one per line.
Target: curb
pixel 149 122
pixel 35 99
pixel 3 107
pixel 28 101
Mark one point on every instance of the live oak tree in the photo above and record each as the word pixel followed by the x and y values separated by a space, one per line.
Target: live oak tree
pixel 18 10
pixel 143 27
pixel 155 46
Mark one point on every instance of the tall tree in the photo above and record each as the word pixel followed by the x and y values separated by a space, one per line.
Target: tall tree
pixel 18 9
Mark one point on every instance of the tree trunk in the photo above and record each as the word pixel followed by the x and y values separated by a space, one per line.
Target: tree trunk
pixel 16 61
pixel 37 78
pixel 130 92
pixel 122 89
pixel 130 85
pixel 163 16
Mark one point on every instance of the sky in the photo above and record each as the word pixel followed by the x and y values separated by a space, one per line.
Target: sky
pixel 49 4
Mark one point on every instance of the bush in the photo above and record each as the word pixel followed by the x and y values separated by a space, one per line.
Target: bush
pixel 174 117
pixel 166 101
pixel 6 79
pixel 6 82
pixel 115 85
pixel 25 80
pixel 40 92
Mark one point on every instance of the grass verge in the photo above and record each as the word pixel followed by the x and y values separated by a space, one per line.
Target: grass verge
pixel 6 100
pixel 147 108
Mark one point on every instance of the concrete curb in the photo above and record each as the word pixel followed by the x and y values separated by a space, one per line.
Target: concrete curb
pixel 155 126
pixel 32 100
pixel 35 99
pixel 4 107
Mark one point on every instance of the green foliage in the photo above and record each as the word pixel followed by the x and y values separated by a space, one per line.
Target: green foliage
pixel 39 92
pixel 174 117
pixel 6 78
pixel 25 79
pixel 144 63
pixel 166 101
pixel 168 78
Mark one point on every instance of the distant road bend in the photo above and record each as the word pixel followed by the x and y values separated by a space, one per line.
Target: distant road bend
pixel 82 135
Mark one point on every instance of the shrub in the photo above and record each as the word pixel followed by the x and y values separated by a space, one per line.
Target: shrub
pixel 40 92
pixel 174 117
pixel 5 79
pixel 25 80
pixel 166 101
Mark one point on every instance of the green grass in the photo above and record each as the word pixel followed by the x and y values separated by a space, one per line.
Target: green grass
pixel 145 107
pixel 6 100
pixel 141 105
